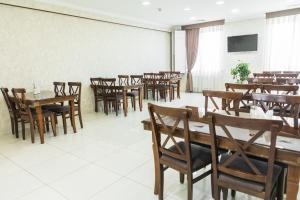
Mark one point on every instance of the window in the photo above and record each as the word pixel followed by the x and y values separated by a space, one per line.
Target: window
pixel 208 66
pixel 283 43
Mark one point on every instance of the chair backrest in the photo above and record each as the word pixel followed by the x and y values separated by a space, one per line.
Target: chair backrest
pixel 96 81
pixel 230 101
pixel 59 88
pixel 287 106
pixel 287 75
pixel 123 80
pixel 158 76
pixel 167 74
pixel 108 86
pixel 148 75
pixel 261 80
pixel 272 72
pixel 165 120
pixel 20 100
pixel 291 72
pixel 75 89
pixel 284 89
pixel 136 79
pixel 228 125
pixel 263 75
pixel 8 102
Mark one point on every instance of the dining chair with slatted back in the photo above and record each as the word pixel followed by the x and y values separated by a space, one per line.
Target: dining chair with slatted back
pixel 284 106
pixel 287 75
pixel 28 115
pixel 59 88
pixel 75 89
pixel 149 75
pixel 171 152
pixel 247 90
pixel 96 86
pixel 13 112
pixel 136 79
pixel 149 85
pixel 230 101
pixel 123 80
pixel 111 95
pixel 238 170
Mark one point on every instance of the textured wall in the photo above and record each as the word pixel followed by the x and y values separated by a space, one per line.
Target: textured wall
pixel 44 47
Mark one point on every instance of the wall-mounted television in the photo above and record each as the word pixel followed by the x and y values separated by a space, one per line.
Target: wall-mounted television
pixel 242 43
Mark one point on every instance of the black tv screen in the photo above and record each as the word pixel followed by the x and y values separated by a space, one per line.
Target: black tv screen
pixel 242 43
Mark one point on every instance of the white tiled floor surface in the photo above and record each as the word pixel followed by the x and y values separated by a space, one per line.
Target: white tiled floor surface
pixel 109 159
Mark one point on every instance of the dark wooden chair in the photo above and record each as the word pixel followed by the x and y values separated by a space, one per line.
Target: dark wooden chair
pixel 163 87
pixel 287 75
pixel 111 95
pixel 263 75
pixel 240 171
pixel 123 81
pixel 182 156
pixel 28 115
pixel 13 112
pixel 283 106
pixel 291 72
pixel 149 85
pixel 279 89
pixel 75 89
pixel 96 85
pixel 60 109
pixel 288 81
pixel 272 72
pixel 136 79
pixel 262 80
pixel 175 83
pixel 247 90
pixel 230 101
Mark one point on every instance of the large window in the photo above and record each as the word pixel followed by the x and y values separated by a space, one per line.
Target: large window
pixel 208 66
pixel 283 43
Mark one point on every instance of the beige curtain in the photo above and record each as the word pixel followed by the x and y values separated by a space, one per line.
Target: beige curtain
pixel 192 37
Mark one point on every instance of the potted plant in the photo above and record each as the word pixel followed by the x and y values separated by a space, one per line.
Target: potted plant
pixel 240 72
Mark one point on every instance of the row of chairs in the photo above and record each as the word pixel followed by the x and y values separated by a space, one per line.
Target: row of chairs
pixel 277 81
pixel 20 112
pixel 281 72
pixel 234 170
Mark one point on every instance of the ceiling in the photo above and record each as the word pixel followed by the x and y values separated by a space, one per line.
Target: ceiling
pixel 171 12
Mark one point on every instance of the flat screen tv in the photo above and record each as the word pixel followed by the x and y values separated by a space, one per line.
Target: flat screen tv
pixel 242 43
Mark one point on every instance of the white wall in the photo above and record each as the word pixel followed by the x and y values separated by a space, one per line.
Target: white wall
pixel 255 58
pixel 45 47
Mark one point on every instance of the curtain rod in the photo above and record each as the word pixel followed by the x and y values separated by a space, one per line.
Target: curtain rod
pixel 204 24
pixel 82 17
pixel 283 13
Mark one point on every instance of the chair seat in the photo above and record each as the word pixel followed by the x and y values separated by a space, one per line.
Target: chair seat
pixel 57 108
pixel 240 165
pixel 200 156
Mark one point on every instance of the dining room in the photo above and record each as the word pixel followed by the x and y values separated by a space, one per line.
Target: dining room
pixel 148 99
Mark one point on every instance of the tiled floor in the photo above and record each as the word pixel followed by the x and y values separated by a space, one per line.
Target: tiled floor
pixel 109 159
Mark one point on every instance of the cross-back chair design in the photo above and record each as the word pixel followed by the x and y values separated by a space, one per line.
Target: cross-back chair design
pixel 111 95
pixel 148 75
pixel 280 89
pixel 13 112
pixel 171 152
pixel 247 90
pixel 75 89
pixel 163 87
pixel 238 170
pixel 149 85
pixel 283 106
pixel 123 80
pixel 59 88
pixel 229 101
pixel 136 79
pixel 28 115
pixel 96 86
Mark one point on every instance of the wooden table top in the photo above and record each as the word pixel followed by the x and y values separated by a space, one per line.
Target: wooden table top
pixel 46 97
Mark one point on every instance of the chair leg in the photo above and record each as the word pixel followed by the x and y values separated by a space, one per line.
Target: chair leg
pixel 233 192
pixel 32 131
pixel 23 130
pixel 116 107
pixel 281 184
pixel 225 193
pixel 47 124
pixel 64 123
pixel 134 103
pixel 96 105
pixel 181 177
pixel 80 117
pixel 12 125
pixel 190 186
pixel 16 125
pixel 53 124
pixel 161 185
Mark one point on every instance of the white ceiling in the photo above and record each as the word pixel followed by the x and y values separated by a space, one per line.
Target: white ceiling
pixel 172 11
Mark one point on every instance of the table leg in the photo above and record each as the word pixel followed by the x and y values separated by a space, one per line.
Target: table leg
pixel 156 170
pixel 178 89
pixel 125 102
pixel 40 121
pixel 292 182
pixel 141 98
pixel 72 115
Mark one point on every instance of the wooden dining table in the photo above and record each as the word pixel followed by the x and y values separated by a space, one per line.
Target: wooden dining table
pixel 125 89
pixel 36 101
pixel 288 150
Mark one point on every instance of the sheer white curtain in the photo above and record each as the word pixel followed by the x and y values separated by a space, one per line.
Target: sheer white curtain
pixel 208 66
pixel 283 43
